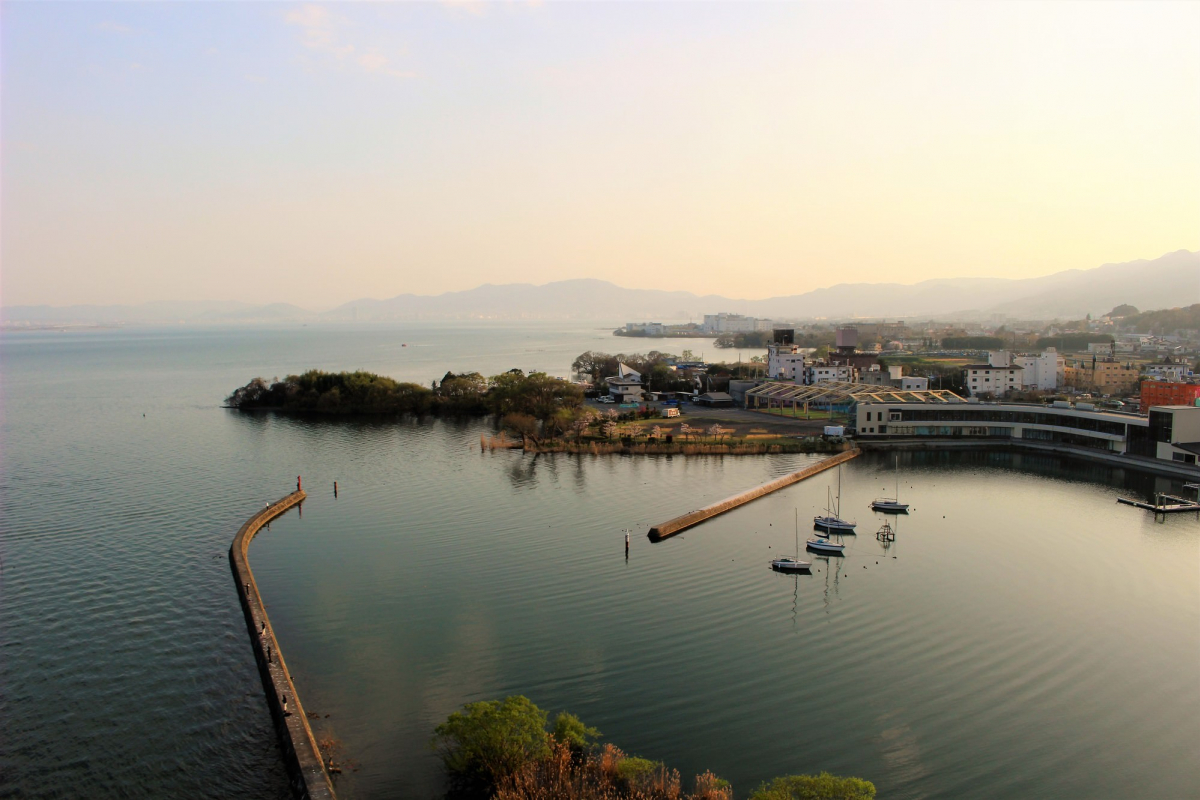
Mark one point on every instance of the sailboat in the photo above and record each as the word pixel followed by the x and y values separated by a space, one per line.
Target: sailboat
pixel 832 521
pixel 821 544
pixel 789 564
pixel 891 504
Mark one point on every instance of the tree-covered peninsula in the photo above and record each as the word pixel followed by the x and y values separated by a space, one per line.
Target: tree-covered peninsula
pixel 356 393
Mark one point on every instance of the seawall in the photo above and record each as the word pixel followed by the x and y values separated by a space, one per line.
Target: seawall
pixel 1153 466
pixel 692 518
pixel 302 757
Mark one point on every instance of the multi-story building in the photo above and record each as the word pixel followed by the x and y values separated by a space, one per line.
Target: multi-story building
pixel 734 323
pixel 785 362
pixel 1167 433
pixel 1103 375
pixel 894 378
pixel 831 371
pixel 1170 372
pixel 644 328
pixel 1046 371
pixel 1168 393
pixel 997 377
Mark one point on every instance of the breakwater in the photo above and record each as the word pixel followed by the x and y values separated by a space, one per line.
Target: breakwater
pixel 693 518
pixel 306 768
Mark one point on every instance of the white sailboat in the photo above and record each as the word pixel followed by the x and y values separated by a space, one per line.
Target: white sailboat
pixel 789 564
pixel 832 521
pixel 891 504
pixel 820 544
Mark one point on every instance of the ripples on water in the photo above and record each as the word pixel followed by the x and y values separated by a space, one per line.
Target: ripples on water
pixel 1029 638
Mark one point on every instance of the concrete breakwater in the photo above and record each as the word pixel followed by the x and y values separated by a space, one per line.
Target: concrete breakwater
pixel 306 768
pixel 692 518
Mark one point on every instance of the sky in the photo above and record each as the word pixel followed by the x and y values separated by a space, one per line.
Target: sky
pixel 319 153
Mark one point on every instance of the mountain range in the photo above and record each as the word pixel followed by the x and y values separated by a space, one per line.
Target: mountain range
pixel 1166 282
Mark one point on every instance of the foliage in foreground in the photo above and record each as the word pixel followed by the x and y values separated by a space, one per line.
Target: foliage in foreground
pixel 504 750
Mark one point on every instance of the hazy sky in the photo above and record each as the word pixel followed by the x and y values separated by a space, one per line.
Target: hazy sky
pixel 319 153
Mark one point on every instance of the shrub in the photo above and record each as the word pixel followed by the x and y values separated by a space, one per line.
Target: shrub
pixel 568 729
pixel 815 787
pixel 492 739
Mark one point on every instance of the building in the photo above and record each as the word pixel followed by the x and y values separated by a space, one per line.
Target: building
pixel 1169 372
pixel 714 400
pixel 831 371
pixel 1046 371
pixel 1166 433
pixel 785 362
pixel 893 377
pixel 626 385
pixel 1103 375
pixel 644 328
pixel 997 377
pixel 734 323
pixel 1168 393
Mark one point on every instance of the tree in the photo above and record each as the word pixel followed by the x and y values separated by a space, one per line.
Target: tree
pixel 521 424
pixel 568 729
pixel 493 738
pixel 815 787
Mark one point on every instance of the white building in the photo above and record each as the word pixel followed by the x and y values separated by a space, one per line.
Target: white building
pixel 1169 372
pixel 785 362
pixel 734 323
pixel 831 372
pixel 998 377
pixel 1044 371
pixel 644 328
pixel 626 385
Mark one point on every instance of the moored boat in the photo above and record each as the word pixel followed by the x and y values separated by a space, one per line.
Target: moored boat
pixel 832 520
pixel 789 563
pixel 822 545
pixel 891 504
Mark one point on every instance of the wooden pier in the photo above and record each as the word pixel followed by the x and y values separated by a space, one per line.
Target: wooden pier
pixel 693 518
pixel 1178 504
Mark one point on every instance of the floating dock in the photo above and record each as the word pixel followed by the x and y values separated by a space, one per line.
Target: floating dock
pixel 693 518
pixel 1177 505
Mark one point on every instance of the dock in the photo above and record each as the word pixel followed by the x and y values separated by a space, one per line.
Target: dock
pixel 693 518
pixel 1177 504
pixel 302 757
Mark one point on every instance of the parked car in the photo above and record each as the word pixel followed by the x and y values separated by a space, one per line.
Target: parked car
pixel 606 399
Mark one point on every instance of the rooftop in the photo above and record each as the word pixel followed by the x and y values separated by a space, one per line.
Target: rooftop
pixel 845 392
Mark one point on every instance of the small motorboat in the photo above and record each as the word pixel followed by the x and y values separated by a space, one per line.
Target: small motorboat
pixel 823 545
pixel 886 534
pixel 789 563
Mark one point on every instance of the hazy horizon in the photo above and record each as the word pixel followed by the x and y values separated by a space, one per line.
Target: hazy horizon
pixel 316 154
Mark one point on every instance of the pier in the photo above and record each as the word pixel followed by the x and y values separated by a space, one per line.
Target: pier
pixel 693 518
pixel 1159 506
pixel 305 766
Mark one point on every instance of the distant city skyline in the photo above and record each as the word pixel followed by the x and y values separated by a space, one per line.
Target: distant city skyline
pixel 319 153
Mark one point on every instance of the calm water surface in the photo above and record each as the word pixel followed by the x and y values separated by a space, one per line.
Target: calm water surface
pixel 1023 636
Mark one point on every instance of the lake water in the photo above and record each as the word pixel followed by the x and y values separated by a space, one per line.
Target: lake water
pixel 1023 636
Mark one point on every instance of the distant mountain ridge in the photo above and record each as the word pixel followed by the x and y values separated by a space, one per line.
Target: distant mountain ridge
pixel 1168 281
